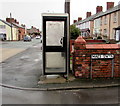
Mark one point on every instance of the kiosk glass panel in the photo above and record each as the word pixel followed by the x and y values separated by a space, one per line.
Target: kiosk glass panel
pixel 54 33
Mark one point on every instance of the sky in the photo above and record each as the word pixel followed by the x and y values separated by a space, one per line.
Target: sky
pixel 28 12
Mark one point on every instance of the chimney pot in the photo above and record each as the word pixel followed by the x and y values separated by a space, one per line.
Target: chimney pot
pixel 79 18
pixel 110 5
pixel 17 22
pixel 10 20
pixel 99 9
pixel 74 21
pixel 88 14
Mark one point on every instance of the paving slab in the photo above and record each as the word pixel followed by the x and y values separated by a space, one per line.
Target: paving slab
pixel 60 83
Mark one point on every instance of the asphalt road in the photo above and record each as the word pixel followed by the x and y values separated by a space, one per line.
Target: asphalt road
pixel 82 96
pixel 19 44
pixel 11 48
pixel 25 68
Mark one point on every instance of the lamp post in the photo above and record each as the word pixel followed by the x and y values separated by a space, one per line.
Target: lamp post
pixel 67 7
pixel 11 26
pixel 67 10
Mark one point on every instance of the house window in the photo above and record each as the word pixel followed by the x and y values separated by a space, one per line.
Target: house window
pixel 115 17
pixel 2 26
pixel 105 32
pixel 105 20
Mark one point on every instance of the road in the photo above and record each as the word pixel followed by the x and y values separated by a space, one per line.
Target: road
pixel 82 96
pixel 9 49
pixel 25 68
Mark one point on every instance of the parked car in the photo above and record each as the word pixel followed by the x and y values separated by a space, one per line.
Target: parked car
pixel 37 37
pixel 27 38
pixel 2 37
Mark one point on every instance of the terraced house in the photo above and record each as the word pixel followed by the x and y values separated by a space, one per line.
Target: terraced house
pixel 107 23
pixel 11 30
pixel 86 25
pixel 7 31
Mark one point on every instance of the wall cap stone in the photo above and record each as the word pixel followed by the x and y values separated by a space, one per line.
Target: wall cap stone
pixel 80 40
pixel 103 46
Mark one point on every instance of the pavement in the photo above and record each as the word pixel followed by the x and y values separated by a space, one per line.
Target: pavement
pixel 8 52
pixel 60 83
pixel 56 82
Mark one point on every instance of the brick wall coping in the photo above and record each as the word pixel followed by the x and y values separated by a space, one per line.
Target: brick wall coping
pixel 94 41
pixel 80 40
pixel 102 46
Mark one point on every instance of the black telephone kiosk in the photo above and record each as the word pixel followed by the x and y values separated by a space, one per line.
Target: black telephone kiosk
pixel 55 43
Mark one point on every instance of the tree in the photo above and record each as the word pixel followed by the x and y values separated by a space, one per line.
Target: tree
pixel 74 32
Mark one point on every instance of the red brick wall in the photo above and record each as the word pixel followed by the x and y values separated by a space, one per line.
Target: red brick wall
pixel 21 33
pixel 100 68
pixel 71 42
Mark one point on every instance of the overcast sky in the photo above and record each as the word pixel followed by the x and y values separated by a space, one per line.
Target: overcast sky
pixel 28 12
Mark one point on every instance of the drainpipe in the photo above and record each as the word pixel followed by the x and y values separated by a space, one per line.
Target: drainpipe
pixel 109 24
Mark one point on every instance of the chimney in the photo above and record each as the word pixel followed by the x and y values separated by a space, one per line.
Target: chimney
pixel 17 22
pixel 88 14
pixel 74 21
pixel 23 25
pixel 79 18
pixel 99 9
pixel 10 20
pixel 110 5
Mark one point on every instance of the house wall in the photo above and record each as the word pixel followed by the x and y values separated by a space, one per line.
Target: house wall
pixel 113 25
pixel 105 27
pixel 21 33
pixel 109 26
pixel 119 17
pixel 15 33
pixel 91 28
pixel 8 32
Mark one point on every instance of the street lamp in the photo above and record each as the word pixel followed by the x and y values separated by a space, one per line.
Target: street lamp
pixel 67 6
pixel 11 26
pixel 67 10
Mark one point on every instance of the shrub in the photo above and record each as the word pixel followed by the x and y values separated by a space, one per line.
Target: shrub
pixel 99 37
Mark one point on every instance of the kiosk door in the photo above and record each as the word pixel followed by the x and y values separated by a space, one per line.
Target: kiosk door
pixel 55 44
